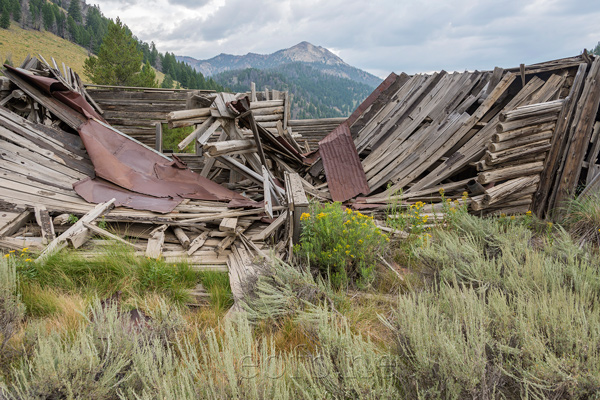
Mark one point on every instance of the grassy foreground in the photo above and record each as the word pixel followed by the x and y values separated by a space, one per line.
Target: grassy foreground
pixel 475 308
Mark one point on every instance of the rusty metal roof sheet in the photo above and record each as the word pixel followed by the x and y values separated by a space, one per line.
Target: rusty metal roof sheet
pixel 145 178
pixel 98 191
pixel 345 174
pixel 129 164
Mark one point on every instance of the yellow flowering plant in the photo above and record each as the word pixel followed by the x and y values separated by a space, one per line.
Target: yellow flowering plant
pixel 342 244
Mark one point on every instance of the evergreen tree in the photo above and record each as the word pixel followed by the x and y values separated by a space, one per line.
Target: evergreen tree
pixel 5 18
pixel 119 60
pixel 15 6
pixel 35 8
pixel 60 19
pixel 147 77
pixel 167 83
pixel 48 16
pixel 75 11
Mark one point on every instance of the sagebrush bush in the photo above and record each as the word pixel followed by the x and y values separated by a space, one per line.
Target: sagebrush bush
pixel 12 309
pixel 502 318
pixel 343 245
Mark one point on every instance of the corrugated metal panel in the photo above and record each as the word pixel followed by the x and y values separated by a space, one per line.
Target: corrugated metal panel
pixel 345 174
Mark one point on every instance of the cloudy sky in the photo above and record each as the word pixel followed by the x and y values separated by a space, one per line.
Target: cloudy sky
pixel 379 36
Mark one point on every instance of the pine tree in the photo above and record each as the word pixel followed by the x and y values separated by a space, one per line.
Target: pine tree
pixel 5 18
pixel 147 77
pixel 167 83
pixel 15 6
pixel 48 16
pixel 119 60
pixel 75 11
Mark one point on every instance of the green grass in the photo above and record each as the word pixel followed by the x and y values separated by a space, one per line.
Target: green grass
pixel 172 137
pixel 117 268
pixel 497 308
pixel 217 286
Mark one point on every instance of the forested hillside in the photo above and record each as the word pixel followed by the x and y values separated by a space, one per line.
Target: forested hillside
pixel 315 94
pixel 85 25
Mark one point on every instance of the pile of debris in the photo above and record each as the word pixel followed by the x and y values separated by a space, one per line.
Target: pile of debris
pixel 67 176
pixel 515 140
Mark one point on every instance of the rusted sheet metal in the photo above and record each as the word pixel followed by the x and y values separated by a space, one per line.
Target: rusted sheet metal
pixel 98 190
pixel 59 91
pixel 128 164
pixel 345 174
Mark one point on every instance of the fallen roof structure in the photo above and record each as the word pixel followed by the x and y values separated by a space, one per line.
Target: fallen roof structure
pixel 516 140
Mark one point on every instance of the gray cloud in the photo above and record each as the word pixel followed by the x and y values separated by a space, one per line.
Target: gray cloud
pixel 379 36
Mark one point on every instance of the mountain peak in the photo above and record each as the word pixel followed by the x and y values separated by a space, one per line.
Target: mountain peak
pixel 308 52
pixel 303 52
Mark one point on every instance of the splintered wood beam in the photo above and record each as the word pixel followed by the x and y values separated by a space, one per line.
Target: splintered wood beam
pixel 197 243
pixel 156 242
pixel 16 224
pixel 228 224
pixel 182 237
pixel 42 217
pixel 198 131
pixel 106 234
pixel 268 202
pixel 75 229
pixel 269 230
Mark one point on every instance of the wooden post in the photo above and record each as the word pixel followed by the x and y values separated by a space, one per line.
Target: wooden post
pixel 253 92
pixel 158 144
pixel 297 202
pixel 286 109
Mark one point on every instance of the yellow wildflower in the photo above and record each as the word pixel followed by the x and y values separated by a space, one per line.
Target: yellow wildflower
pixel 347 246
pixel 12 251
pixel 441 191
pixel 465 194
pixel 512 217
pixel 24 249
pixel 321 215
pixel 352 255
pixel 28 260
pixel 360 241
pixel 347 251
pixel 528 213
pixel 304 216
pixel 6 255
pixel 502 215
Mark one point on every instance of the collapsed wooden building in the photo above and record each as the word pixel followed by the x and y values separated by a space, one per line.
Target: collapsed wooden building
pixel 515 140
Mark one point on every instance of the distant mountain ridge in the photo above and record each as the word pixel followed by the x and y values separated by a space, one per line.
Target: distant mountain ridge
pixel 314 94
pixel 317 57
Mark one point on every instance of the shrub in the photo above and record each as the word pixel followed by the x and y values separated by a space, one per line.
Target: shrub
pixel 12 310
pixel 502 319
pixel 582 217
pixel 343 245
